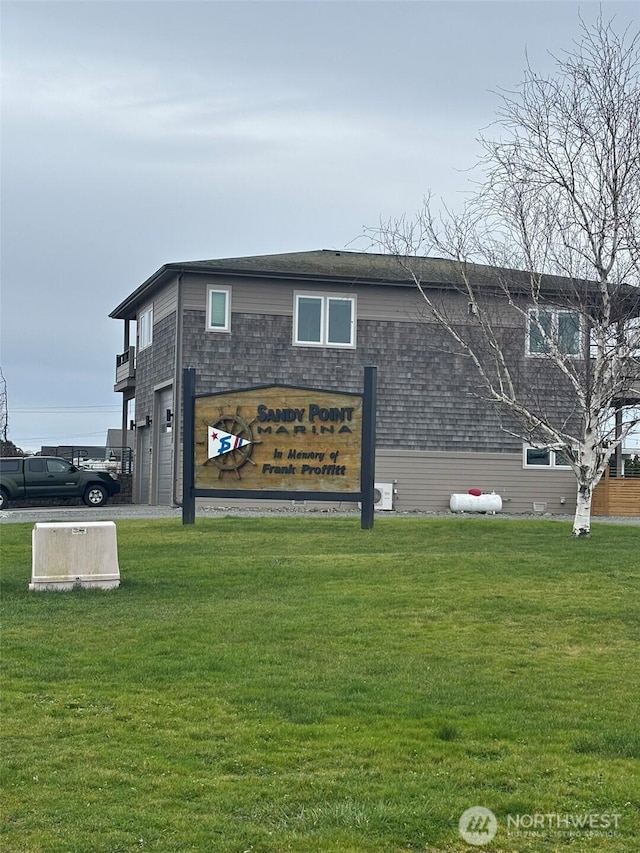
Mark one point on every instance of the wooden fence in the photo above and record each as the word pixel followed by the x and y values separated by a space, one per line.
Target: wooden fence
pixel 616 496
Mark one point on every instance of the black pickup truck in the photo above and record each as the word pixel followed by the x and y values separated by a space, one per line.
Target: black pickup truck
pixel 35 478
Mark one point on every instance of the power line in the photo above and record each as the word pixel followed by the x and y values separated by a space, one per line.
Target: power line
pixel 80 410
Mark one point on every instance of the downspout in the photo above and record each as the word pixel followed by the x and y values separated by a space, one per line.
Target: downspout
pixel 177 394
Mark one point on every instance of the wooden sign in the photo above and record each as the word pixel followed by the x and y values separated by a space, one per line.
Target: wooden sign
pixel 278 437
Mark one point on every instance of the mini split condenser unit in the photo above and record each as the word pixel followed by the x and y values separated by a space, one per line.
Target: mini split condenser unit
pixel 383 496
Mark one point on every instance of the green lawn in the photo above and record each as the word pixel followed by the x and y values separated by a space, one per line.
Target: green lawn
pixel 298 684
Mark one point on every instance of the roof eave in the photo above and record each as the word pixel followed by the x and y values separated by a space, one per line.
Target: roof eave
pixel 126 310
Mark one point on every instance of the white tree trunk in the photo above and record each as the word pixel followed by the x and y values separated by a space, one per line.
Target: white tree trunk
pixel 582 519
pixel 587 476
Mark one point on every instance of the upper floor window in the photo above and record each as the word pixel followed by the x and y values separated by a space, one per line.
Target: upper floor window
pixel 324 320
pixel 548 327
pixel 543 457
pixel 145 328
pixel 219 309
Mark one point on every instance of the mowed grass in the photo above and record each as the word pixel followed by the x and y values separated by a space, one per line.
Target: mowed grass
pixel 298 684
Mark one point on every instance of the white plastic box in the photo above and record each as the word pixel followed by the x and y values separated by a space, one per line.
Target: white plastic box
pixel 66 555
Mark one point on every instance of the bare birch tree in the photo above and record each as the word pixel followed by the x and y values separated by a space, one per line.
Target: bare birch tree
pixel 559 202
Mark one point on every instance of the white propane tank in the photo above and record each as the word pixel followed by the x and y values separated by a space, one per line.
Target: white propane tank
pixel 475 503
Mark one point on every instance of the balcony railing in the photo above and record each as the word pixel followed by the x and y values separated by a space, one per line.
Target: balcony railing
pixel 125 370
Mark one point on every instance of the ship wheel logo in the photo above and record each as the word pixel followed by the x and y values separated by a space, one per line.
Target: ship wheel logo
pixel 230 443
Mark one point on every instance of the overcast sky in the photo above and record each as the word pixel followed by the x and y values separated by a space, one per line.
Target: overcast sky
pixel 141 133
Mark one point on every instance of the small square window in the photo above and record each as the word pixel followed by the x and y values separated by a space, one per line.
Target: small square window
pixel 218 309
pixel 340 321
pixel 560 460
pixel 568 333
pixel 540 331
pixel 537 456
pixel 543 457
pixel 309 318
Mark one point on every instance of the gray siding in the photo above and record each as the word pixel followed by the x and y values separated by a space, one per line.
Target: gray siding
pixel 426 481
pixel 277 298
pixel 164 302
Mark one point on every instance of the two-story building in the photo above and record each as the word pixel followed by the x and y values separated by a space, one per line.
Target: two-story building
pixel 315 319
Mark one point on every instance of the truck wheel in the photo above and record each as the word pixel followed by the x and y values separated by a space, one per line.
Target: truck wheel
pixel 95 496
pixel 4 499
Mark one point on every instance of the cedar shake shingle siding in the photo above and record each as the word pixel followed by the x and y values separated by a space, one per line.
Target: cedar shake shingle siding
pixel 155 364
pixel 419 391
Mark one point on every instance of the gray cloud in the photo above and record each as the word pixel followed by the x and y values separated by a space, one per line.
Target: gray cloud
pixel 139 133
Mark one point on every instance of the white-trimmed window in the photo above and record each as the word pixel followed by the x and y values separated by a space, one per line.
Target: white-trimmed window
pixel 145 328
pixel 324 320
pixel 218 309
pixel 547 326
pixel 543 457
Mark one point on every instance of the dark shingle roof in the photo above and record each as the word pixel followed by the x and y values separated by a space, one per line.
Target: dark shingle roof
pixel 334 266
pixel 361 266
pixel 318 265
